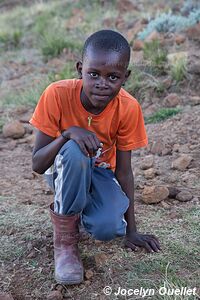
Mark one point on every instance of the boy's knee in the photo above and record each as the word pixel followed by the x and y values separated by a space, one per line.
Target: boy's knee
pixel 72 154
pixel 107 231
pixel 104 235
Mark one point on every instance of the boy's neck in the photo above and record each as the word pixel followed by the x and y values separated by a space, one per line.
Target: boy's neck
pixel 88 106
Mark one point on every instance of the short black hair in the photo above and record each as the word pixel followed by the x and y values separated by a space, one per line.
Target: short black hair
pixel 107 40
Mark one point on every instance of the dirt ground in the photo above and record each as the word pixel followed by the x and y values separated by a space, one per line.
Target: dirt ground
pixel 26 252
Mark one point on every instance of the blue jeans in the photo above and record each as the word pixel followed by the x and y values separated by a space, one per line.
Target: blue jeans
pixel 94 192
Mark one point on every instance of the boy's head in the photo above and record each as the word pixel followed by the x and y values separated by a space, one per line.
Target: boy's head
pixel 105 60
pixel 108 41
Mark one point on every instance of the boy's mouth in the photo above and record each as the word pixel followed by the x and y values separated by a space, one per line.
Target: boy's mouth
pixel 101 96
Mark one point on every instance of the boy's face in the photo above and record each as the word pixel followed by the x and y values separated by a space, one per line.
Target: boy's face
pixel 103 74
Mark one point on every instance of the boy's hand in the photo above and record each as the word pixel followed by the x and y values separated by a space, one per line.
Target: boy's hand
pixel 87 140
pixel 147 241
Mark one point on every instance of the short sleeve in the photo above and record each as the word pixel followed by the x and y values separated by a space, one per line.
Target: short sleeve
pixel 46 116
pixel 132 133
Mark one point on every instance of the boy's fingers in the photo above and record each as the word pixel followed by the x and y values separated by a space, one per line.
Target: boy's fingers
pixel 154 237
pixel 130 245
pixel 156 241
pixel 83 148
pixel 154 246
pixel 94 144
pixel 89 146
pixel 147 247
pixel 97 142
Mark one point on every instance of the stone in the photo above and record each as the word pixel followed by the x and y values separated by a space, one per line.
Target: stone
pixel 194 67
pixel 180 39
pixel 153 36
pixel 182 162
pixel 149 173
pixel 172 100
pixel 5 296
pixel 193 32
pixel 13 129
pixel 184 196
pixel 147 162
pixel 166 151
pixel 89 274
pixel 157 147
pixel 138 45
pixel 173 192
pixel 55 295
pixel 154 194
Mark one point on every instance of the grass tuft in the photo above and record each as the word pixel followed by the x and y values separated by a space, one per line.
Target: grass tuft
pixel 155 55
pixel 162 115
pixel 178 70
pixel 52 44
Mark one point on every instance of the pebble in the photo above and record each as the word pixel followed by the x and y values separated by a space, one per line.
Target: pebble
pixel 182 162
pixel 184 196
pixel 154 194
pixel 13 129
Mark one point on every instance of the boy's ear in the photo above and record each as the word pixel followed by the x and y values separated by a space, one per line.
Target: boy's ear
pixel 79 69
pixel 128 73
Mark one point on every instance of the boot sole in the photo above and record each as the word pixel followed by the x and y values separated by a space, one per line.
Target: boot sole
pixel 71 282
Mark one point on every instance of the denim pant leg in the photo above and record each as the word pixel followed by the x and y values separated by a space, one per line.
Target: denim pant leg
pixel 73 179
pixel 103 216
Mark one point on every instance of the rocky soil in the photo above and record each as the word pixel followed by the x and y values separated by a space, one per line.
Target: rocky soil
pixel 167 172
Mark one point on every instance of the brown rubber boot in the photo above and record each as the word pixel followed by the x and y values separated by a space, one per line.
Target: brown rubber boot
pixel 68 265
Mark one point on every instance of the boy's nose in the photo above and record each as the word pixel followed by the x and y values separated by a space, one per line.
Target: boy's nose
pixel 101 83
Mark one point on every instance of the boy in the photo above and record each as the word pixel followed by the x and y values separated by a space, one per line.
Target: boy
pixel 87 128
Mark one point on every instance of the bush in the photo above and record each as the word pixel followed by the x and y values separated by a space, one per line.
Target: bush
pixel 167 22
pixel 190 5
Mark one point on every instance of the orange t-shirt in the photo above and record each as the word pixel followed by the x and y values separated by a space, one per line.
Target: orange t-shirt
pixel 119 126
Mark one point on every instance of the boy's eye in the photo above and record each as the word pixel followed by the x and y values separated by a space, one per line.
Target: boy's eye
pixel 93 74
pixel 113 77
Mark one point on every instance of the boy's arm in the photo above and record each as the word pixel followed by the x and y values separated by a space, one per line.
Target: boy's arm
pixel 46 147
pixel 125 177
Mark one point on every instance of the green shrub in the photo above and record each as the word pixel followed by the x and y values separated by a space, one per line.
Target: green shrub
pixel 52 44
pixel 161 115
pixel 178 70
pixel 155 55
pixel 10 40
